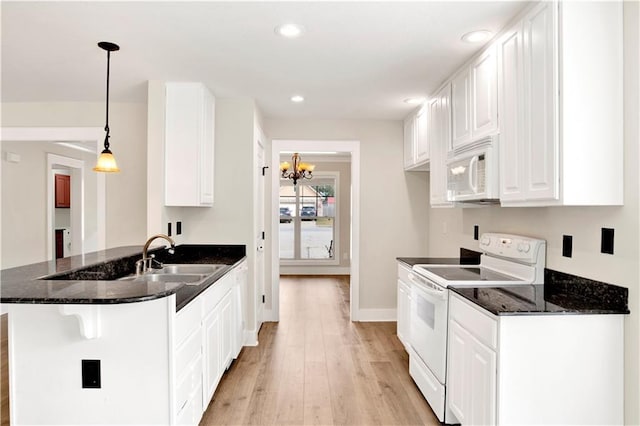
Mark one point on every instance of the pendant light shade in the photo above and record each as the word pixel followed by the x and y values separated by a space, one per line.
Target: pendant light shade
pixel 106 161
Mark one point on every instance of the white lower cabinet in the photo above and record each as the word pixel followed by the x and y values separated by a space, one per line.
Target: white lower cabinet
pixel 205 345
pixel 404 305
pixel 472 377
pixel 533 369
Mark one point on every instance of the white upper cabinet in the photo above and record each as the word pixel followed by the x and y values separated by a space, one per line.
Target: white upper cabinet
pixel 560 110
pixel 189 144
pixel 460 108
pixel 474 100
pixel 422 137
pixel 440 145
pixel 416 141
pixel 484 94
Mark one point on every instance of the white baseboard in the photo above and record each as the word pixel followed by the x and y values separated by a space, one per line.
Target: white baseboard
pixel 315 270
pixel 250 338
pixel 374 315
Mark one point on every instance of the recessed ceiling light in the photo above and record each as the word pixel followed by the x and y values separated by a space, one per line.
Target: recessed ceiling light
pixel 289 30
pixel 477 36
pixel 297 99
pixel 414 101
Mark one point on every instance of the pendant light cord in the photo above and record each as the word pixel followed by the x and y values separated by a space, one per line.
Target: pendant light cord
pixel 106 127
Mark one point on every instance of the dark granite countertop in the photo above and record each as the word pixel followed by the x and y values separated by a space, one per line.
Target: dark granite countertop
pixel 92 278
pixel 467 257
pixel 561 294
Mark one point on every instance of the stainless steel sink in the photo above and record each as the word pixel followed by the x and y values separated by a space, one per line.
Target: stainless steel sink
pixel 188 269
pixel 189 274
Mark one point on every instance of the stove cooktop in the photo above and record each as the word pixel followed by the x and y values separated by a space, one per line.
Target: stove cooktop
pixel 469 274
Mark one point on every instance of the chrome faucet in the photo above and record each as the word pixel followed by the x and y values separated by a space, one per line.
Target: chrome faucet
pixel 144 264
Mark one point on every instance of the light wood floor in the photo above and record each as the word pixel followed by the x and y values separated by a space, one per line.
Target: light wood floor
pixel 317 367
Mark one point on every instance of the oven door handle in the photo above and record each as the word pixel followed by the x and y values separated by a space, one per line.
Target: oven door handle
pixel 440 294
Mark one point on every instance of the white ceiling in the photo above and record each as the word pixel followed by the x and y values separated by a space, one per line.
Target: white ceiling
pixel 355 60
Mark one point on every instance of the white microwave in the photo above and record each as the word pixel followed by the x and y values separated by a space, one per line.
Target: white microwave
pixel 472 175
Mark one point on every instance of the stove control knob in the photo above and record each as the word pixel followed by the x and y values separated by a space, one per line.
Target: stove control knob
pixel 520 247
pixel 526 247
pixel 485 241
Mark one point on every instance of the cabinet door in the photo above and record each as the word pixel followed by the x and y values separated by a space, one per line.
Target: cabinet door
pixel 457 377
pixel 484 105
pixel 511 101
pixel 212 370
pixel 404 307
pixel 541 150
pixel 226 324
pixel 63 191
pixel 421 139
pixel 206 150
pixel 460 104
pixel 440 143
pixel 189 143
pixel 409 146
pixel 482 384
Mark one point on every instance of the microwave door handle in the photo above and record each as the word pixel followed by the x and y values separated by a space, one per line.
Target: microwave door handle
pixel 472 175
pixel 440 294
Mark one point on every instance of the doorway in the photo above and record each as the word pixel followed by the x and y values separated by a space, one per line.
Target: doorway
pixel 66 213
pixel 349 147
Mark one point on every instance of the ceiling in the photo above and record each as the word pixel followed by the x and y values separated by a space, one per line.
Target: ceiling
pixel 355 59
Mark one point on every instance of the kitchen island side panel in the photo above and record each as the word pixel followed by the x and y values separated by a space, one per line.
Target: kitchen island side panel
pixel 133 345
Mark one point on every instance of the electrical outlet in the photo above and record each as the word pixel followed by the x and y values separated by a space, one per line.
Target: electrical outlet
pixel 567 245
pixel 606 243
pixel 178 227
pixel 476 230
pixel 91 374
pixel 169 229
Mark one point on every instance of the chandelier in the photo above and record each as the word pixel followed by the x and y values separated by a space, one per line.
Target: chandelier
pixel 299 170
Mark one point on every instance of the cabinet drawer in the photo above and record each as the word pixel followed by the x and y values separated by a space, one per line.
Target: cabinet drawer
pixel 480 325
pixel 187 320
pixel 190 348
pixel 214 294
pixel 190 411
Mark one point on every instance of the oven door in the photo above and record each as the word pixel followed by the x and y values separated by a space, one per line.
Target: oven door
pixel 429 305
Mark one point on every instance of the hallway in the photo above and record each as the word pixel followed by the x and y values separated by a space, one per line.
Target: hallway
pixel 317 367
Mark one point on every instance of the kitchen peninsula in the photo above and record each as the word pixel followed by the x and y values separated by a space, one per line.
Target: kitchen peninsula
pixel 86 346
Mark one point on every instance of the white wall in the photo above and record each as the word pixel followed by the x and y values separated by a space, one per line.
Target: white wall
pixel 125 197
pixel 583 223
pixel 24 201
pixel 394 204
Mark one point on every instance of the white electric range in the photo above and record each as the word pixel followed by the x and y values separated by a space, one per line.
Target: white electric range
pixel 506 259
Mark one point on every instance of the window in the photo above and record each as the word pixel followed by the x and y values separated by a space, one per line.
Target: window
pixel 308 219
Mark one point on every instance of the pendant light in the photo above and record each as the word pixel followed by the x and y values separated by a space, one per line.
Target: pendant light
pixel 106 161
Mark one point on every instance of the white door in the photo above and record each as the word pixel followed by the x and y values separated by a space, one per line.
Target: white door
pixel 260 238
